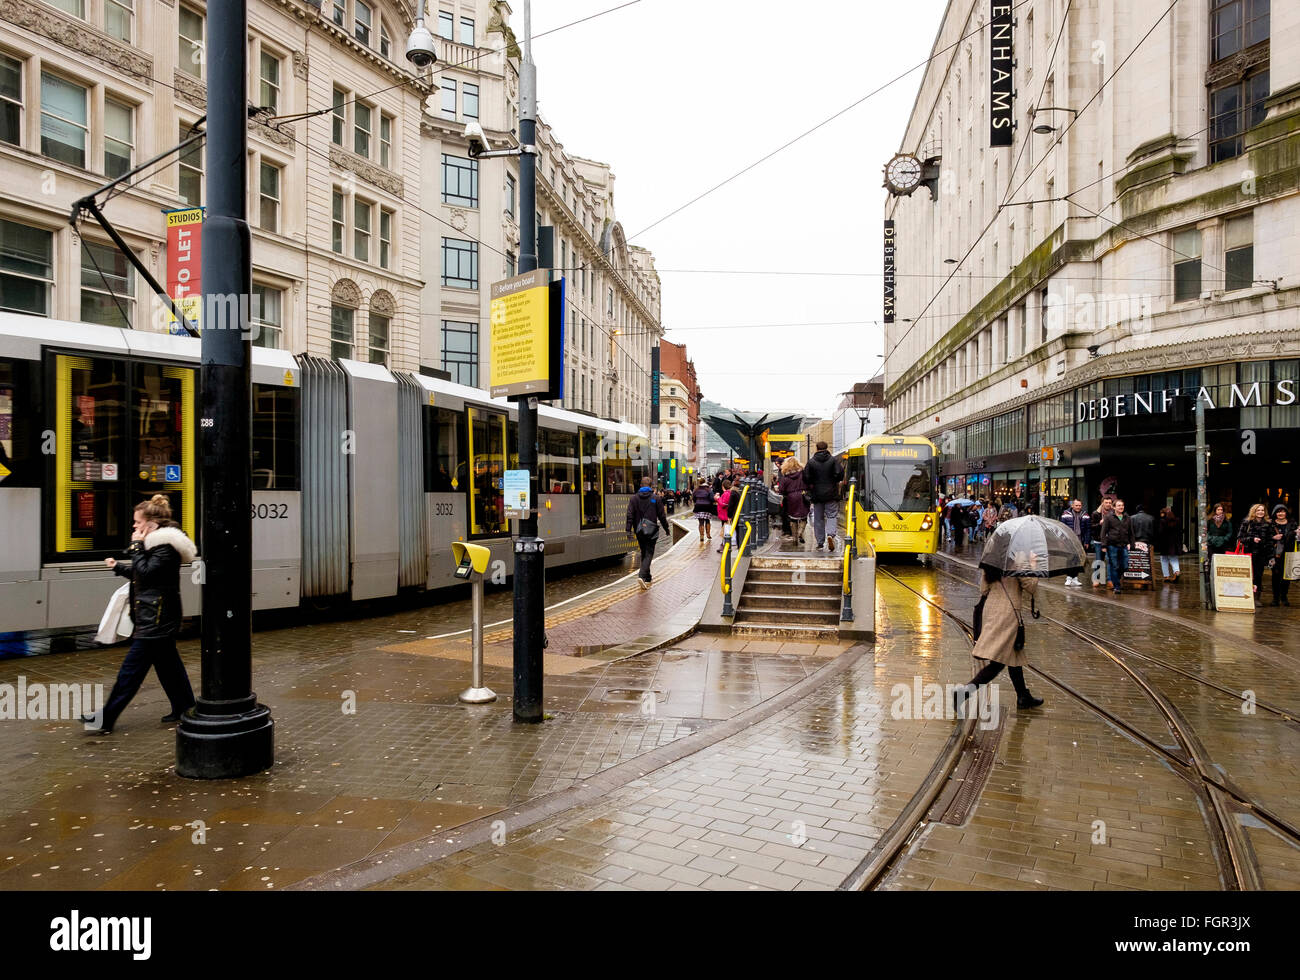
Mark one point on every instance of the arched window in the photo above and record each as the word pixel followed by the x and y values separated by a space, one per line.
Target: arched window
pixel 345 300
pixel 382 310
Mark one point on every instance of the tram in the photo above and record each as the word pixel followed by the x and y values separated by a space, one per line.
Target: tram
pixel 897 510
pixel 362 477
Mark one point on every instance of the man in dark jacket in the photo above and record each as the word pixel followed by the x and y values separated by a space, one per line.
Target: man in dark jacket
pixel 1077 521
pixel 645 513
pixel 1144 527
pixel 1117 538
pixel 822 478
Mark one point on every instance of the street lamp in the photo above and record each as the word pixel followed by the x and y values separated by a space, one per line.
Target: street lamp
pixel 1042 129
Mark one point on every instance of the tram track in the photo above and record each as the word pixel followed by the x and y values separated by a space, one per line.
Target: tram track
pixel 1222 802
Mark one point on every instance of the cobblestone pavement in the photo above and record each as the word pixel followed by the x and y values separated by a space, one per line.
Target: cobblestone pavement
pixel 411 761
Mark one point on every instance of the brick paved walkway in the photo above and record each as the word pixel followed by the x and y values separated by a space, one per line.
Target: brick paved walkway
pixel 110 813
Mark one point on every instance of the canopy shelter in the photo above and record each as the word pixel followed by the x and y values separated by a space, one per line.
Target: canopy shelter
pixel 746 436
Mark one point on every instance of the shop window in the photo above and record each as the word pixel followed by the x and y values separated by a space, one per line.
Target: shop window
pixel 559 461
pixel 275 438
pixel 1251 373
pixel 1286 416
pixel 445 467
pixel 487 451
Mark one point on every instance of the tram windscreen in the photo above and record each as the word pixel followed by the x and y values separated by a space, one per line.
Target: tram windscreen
pixel 900 478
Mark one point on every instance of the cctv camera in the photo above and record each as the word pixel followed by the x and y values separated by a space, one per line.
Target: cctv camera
pixel 477 140
pixel 419 49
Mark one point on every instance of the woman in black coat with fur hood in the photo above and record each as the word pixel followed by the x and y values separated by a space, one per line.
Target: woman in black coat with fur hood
pixel 153 564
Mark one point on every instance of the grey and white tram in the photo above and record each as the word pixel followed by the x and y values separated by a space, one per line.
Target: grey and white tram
pixel 362 477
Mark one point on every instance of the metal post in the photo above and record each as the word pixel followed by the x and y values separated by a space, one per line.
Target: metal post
pixel 227 734
pixel 1201 508
pixel 530 566
pixel 1042 482
pixel 851 519
pixel 477 692
pixel 727 609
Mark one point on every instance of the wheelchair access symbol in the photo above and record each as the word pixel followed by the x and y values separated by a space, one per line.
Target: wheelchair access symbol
pixel 172 474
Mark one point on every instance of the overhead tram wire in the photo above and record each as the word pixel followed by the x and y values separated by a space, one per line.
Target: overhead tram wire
pixel 1010 178
pixel 785 146
pixel 460 64
pixel 1096 95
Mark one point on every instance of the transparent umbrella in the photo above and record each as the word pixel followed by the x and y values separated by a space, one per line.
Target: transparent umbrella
pixel 1033 547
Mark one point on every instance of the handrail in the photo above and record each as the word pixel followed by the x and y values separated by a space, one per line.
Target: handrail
pixel 725 571
pixel 850 551
pixel 726 547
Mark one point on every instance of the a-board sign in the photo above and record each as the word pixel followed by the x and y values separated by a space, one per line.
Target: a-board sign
pixel 1138 573
pixel 1233 583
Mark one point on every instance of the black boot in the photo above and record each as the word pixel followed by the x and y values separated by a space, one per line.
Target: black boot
pixel 1027 700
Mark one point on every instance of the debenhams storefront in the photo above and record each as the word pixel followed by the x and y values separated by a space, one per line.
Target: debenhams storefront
pixel 1131 437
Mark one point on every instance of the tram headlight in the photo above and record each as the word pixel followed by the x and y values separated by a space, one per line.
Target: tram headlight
pixel 873 522
pixel 927 522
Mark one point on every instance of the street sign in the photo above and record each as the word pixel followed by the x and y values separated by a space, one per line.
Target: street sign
pixel 521 332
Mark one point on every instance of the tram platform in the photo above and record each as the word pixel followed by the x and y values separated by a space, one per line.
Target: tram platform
pixel 373 750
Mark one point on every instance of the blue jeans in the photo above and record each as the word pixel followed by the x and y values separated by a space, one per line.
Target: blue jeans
pixel 825 520
pixel 1117 562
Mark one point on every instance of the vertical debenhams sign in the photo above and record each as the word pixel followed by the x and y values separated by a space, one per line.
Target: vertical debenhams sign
pixel 1002 77
pixel 889 270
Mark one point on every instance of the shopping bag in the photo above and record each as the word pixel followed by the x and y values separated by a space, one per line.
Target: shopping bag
pixel 116 622
pixel 1291 570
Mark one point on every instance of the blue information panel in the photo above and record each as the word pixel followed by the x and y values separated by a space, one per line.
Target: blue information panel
pixel 518 498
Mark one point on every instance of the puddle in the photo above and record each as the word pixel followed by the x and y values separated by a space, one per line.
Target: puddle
pixel 625 695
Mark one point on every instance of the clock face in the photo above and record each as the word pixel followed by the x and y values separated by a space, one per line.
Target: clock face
pixel 903 173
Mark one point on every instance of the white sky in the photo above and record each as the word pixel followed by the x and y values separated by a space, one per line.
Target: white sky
pixel 678 95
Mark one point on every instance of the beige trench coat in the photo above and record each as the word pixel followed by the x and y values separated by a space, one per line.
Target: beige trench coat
pixel 998 637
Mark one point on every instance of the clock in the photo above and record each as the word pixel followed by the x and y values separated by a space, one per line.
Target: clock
pixel 903 174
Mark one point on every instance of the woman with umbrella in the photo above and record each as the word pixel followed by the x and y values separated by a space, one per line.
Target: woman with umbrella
pixel 1018 554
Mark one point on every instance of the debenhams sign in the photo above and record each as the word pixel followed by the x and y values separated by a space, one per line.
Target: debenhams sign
pixel 1156 402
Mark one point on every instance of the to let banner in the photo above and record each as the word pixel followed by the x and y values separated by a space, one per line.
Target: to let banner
pixel 184 264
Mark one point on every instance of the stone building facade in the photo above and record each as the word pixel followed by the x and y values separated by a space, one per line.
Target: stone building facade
pixel 1136 243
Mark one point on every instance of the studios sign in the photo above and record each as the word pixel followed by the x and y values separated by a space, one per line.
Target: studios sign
pixel 1250 395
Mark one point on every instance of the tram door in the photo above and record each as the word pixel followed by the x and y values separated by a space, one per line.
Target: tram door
pixel 487 453
pixel 123 431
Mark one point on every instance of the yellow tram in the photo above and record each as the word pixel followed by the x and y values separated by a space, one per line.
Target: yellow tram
pixel 895 503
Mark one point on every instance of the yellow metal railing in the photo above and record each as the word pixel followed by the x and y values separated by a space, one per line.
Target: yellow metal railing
pixel 726 548
pixel 850 539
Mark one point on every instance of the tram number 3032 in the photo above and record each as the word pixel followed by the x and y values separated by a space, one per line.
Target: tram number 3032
pixel 272 512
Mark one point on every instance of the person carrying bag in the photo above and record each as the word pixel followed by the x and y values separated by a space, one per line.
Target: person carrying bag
pixel 645 515
pixel 158 549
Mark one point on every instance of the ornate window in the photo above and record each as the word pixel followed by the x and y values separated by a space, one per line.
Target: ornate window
pixel 1238 76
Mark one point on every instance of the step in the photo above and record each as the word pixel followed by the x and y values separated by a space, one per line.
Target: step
pixel 786 617
pixel 766 600
pixel 789 564
pixel 828 634
pixel 787 576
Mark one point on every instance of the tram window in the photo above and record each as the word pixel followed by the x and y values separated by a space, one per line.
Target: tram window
pixel 618 470
pixel 275 438
pixel 487 447
pixel 855 469
pixel 899 485
pixel 445 466
pixel 559 461
pixel 20 433
pixel 162 436
pixel 638 451
pixel 593 497
pixel 512 444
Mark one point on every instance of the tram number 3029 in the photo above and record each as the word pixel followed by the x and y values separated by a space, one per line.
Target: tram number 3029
pixel 272 512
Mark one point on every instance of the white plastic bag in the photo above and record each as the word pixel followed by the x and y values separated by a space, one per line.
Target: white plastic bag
pixel 116 622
